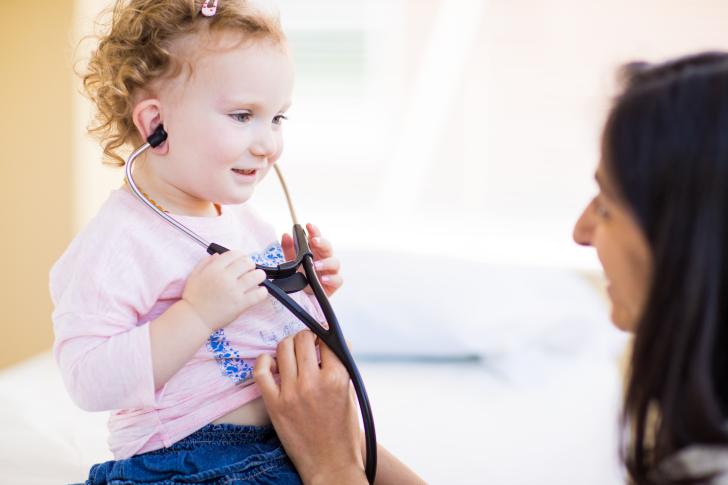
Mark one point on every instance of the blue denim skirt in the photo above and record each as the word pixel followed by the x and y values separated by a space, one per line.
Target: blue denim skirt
pixel 216 454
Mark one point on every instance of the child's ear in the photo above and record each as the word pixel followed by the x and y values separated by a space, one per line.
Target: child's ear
pixel 147 116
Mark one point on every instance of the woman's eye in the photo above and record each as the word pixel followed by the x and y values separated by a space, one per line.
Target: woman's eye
pixel 279 119
pixel 600 209
pixel 241 117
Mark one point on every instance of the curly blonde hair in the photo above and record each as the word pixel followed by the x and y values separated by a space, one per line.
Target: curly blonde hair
pixel 137 49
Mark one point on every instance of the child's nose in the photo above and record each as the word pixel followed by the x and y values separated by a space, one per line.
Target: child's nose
pixel 264 144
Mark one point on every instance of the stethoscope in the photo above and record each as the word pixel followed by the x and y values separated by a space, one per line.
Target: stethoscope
pixel 281 280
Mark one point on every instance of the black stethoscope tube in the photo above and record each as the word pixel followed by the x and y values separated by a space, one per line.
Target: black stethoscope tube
pixel 281 280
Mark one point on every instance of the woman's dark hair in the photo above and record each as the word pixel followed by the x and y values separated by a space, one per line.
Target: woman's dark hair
pixel 665 147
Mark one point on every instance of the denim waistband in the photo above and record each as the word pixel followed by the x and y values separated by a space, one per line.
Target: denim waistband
pixel 220 435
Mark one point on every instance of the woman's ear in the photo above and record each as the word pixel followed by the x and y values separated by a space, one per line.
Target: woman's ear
pixel 147 116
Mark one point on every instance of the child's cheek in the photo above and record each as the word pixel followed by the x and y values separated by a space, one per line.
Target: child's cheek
pixel 227 151
pixel 279 149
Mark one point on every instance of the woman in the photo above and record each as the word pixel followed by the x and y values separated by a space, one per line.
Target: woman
pixel 659 225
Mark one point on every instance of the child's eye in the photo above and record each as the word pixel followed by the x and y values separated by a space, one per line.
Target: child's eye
pixel 241 117
pixel 279 119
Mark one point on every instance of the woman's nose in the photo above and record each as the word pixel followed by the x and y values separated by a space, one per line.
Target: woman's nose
pixel 584 227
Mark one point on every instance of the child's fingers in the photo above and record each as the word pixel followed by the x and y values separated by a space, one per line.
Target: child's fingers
pixel 203 263
pixel 289 249
pixel 251 278
pixel 224 259
pixel 254 296
pixel 332 281
pixel 263 372
pixel 328 265
pixel 240 266
pixel 313 230
pixel 321 247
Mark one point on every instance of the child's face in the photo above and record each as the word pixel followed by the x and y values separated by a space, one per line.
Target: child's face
pixel 224 122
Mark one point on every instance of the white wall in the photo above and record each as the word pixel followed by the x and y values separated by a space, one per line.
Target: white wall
pixel 465 126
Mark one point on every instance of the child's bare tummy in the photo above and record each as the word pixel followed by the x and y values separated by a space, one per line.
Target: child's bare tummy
pixel 252 413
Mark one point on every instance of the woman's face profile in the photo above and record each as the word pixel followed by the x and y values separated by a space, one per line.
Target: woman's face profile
pixel 608 225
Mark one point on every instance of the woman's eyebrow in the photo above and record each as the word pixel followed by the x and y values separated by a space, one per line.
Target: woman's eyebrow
pixel 603 186
pixel 600 183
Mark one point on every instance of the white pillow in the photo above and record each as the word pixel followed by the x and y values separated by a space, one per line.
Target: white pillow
pixel 399 305
pixel 47 438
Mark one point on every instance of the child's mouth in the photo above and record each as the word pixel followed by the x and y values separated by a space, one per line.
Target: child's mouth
pixel 247 172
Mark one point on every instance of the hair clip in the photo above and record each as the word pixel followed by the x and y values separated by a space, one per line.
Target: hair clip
pixel 207 10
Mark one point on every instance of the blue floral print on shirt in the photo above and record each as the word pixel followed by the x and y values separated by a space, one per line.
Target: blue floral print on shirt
pixel 228 359
pixel 226 356
pixel 271 256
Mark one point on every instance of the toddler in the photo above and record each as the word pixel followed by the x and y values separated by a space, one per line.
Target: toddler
pixel 147 325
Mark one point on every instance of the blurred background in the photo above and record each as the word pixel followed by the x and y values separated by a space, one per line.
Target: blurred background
pixel 446 148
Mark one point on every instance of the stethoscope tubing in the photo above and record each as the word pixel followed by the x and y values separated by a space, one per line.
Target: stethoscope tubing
pixel 135 190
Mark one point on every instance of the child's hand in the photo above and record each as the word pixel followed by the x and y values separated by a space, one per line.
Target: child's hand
pixel 223 286
pixel 327 266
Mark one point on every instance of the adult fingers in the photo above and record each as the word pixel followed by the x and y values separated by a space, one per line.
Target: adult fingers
pixel 304 343
pixel 330 362
pixel 263 372
pixel 287 366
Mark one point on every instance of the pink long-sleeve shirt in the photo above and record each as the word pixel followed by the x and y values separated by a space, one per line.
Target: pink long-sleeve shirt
pixel 123 270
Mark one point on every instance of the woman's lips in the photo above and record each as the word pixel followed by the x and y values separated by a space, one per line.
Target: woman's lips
pixel 610 291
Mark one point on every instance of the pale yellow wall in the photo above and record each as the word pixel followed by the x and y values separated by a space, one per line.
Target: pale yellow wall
pixel 35 161
pixel 91 178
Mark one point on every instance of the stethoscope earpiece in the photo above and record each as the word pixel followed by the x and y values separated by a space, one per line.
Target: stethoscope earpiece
pixel 158 137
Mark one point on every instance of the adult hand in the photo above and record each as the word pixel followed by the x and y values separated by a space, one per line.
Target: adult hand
pixel 313 411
